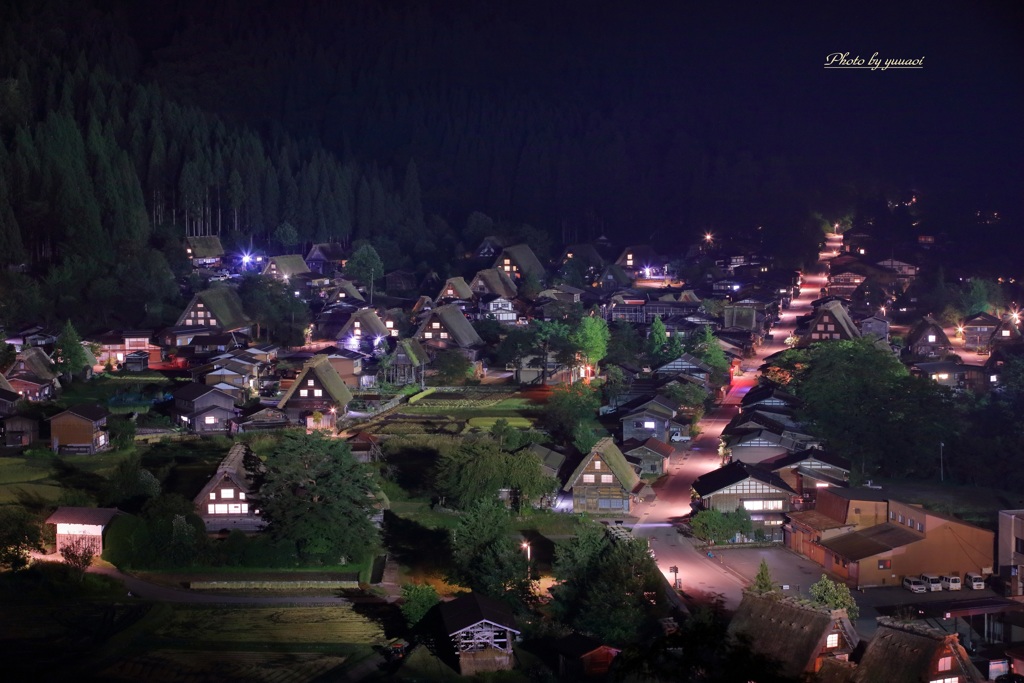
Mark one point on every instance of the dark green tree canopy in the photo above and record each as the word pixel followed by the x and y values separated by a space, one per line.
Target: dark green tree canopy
pixel 314 495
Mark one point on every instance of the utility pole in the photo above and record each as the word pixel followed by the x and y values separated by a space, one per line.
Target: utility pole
pixel 942 469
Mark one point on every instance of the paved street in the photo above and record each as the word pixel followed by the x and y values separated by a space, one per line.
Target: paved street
pixel 702 578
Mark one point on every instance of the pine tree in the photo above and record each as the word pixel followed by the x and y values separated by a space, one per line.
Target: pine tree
pixel 69 356
pixel 763 582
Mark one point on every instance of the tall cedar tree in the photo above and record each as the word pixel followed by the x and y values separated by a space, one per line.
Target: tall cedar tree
pixel 68 356
pixel 315 495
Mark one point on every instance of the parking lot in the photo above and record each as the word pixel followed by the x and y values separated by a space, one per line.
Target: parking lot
pixel 795 574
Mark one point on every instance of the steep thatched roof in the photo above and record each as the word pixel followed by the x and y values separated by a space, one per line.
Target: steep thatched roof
pixel 522 255
pixel 321 368
pixel 616 461
pixel 288 265
pixel 207 246
pixel 455 288
pixel 494 281
pixel 225 307
pixel 454 322
pixel 909 652
pixel 790 632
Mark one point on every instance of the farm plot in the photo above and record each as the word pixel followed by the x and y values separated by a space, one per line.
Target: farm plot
pixel 337 624
pixel 187 666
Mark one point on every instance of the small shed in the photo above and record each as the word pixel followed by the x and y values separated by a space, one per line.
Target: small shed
pixel 580 656
pixel 76 524
pixel 481 630
pixel 137 361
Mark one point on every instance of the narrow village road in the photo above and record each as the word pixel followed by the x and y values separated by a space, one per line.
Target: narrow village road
pixel 703 579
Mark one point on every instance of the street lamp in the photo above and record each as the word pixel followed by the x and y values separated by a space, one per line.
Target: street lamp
pixel 526 547
pixel 675 570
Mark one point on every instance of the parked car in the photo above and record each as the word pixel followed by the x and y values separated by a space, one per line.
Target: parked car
pixel 950 582
pixel 931 582
pixel 974 581
pixel 914 585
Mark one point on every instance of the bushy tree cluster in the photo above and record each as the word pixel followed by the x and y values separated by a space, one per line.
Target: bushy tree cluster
pixel 610 590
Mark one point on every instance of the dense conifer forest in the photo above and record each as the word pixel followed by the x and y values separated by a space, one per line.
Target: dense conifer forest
pixel 418 125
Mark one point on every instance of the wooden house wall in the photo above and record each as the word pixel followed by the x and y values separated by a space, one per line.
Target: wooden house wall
pixel 71 430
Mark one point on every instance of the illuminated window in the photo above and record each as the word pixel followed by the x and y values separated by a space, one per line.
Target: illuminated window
pixel 597 464
pixel 885 564
pixel 435 325
pixel 245 508
pixel 213 496
pixel 227 493
pixel 648 424
pixel 428 335
pixel 211 420
pixel 241 495
pixel 303 392
pixel 318 392
pixel 309 382
pixel 443 335
pixel 931 338
pixel 213 321
pixel 588 478
pixel 389 324
pixel 221 508
pixel 945 663
pixel 832 640
pixel 210 509
pixel 901 519
pixel 508 261
pixel 954 679
pixel 762 505
pixel 1005 333
pixel 607 479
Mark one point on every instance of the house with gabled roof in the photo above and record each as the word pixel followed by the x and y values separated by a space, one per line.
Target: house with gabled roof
pixel 685 364
pixel 519 261
pixel 455 289
pixel 201 408
pixel 830 320
pixel 649 457
pixel 493 281
pixel 909 652
pixel 603 483
pixel 32 375
pixel 226 502
pixel 447 327
pixel 613 277
pixel 808 472
pixel 8 399
pixel 325 257
pixel 285 267
pixel 79 525
pixel 405 364
pixel 204 251
pixel 363 326
pixel 797 635
pixel 481 630
pixel 978 330
pixel 262 420
pixel 635 258
pixel 80 429
pixel 927 339
pixel 650 423
pixel 957 376
pixel 770 396
pixel 738 485
pixel 217 307
pixel 1006 332
pixel 400 282
pixel 489 246
pixel 318 388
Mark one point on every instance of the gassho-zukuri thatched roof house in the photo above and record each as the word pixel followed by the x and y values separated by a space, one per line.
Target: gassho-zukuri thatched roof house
pixel 799 636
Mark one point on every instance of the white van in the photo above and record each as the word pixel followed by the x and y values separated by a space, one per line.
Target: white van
pixel 974 581
pixel 950 582
pixel 932 582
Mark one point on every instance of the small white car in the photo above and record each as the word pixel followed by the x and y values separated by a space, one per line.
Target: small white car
pixel 914 585
pixel 950 582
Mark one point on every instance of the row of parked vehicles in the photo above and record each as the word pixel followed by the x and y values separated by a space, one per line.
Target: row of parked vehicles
pixel 948 582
